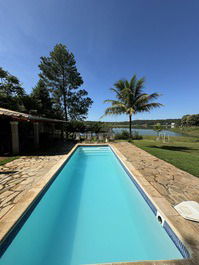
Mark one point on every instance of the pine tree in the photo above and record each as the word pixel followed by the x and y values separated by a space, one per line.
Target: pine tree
pixel 42 100
pixel 59 73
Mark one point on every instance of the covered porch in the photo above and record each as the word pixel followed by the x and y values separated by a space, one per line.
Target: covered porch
pixel 21 132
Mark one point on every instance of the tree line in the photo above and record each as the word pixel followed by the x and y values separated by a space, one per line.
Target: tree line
pixel 57 93
pixel 190 120
pixel 145 122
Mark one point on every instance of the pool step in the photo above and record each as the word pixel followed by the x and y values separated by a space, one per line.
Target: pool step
pixel 94 150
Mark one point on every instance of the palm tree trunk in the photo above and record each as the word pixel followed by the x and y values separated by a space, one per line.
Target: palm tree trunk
pixel 130 133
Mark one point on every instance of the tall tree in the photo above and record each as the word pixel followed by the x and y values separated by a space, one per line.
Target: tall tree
pixel 11 91
pixel 59 72
pixel 78 104
pixel 184 120
pixel 193 120
pixel 130 99
pixel 41 97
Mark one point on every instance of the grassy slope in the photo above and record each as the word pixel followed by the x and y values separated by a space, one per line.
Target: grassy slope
pixel 191 131
pixel 182 154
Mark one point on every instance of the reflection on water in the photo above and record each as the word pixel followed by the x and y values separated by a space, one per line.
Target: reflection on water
pixel 146 131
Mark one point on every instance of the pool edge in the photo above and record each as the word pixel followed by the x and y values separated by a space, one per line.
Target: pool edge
pixel 164 207
pixel 12 217
pixel 9 220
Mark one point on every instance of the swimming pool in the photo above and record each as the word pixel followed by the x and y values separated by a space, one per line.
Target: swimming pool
pixel 91 213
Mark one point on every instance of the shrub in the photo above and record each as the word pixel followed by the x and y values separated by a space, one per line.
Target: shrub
pixel 136 136
pixel 96 127
pixel 124 135
pixel 190 120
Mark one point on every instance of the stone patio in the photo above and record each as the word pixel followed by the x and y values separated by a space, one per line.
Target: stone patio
pixel 22 174
pixel 26 176
pixel 174 184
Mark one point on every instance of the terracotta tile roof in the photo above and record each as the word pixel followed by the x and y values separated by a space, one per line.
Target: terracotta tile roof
pixel 15 115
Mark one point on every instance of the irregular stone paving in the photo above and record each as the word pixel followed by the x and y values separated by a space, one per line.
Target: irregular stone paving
pixel 174 184
pixel 19 176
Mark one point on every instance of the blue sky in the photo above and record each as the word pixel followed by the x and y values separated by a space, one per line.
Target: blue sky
pixel 111 39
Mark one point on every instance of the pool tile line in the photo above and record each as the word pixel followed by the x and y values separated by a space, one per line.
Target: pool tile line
pixel 176 240
pixel 181 247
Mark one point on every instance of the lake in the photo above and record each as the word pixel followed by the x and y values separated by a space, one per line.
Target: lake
pixel 146 131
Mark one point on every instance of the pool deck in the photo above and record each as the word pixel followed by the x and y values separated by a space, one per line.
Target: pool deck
pixel 22 180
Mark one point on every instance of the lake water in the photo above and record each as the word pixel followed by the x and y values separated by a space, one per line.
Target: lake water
pixel 146 131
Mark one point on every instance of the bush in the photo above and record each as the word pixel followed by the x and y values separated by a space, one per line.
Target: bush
pixel 136 136
pixel 96 127
pixel 124 135
pixel 75 126
pixel 190 120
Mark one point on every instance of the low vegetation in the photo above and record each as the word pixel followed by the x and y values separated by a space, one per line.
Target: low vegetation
pixel 182 152
pixel 8 159
pixel 124 135
pixel 189 131
pixel 144 123
pixel 190 120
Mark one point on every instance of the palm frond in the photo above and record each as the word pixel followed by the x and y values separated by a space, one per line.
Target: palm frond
pixel 130 98
pixel 153 96
pixel 132 82
pixel 114 110
pixel 126 84
pixel 113 102
pixel 149 106
pixel 120 85
pixel 139 86
pixel 146 98
pixel 117 92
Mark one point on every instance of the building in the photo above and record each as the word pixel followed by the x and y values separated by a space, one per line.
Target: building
pixel 173 125
pixel 19 131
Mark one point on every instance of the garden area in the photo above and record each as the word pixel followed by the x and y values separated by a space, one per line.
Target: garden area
pixel 182 152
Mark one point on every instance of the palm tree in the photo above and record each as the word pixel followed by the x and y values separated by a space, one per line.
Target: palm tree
pixel 130 99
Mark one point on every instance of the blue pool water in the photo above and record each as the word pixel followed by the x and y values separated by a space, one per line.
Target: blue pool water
pixel 92 213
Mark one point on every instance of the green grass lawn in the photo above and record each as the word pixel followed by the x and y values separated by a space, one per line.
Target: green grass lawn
pixel 182 152
pixel 191 131
pixel 7 160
